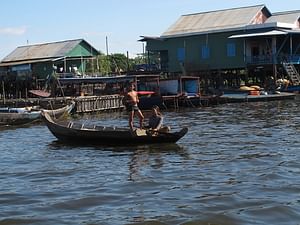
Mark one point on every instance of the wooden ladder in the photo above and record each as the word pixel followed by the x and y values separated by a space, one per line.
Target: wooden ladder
pixel 292 72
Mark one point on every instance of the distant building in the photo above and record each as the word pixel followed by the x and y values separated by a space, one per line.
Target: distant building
pixel 42 60
pixel 246 41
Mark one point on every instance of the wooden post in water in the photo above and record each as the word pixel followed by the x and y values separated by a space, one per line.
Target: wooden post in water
pixel 127 61
pixel 3 90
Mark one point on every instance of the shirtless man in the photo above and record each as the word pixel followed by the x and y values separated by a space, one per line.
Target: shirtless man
pixel 132 101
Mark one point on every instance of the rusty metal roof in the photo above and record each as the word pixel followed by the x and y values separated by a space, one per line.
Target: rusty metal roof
pixel 42 51
pixel 213 21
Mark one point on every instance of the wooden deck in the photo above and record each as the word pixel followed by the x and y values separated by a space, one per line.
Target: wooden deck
pixel 83 103
pixel 177 101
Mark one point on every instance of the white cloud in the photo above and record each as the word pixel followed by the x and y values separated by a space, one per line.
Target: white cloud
pixel 13 30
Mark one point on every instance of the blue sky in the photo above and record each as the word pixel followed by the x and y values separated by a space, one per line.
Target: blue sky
pixel 122 21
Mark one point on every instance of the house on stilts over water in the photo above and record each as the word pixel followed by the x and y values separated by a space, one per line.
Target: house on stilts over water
pixel 227 48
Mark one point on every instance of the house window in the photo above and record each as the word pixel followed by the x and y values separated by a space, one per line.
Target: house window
pixel 231 49
pixel 205 52
pixel 181 54
pixel 21 67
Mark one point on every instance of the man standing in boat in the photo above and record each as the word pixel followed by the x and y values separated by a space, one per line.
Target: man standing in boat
pixel 133 100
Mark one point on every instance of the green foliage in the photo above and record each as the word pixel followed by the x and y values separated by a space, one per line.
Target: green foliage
pixel 104 65
pixel 117 63
pixel 139 59
pixel 99 65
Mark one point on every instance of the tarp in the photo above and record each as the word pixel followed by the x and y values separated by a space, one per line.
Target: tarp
pixel 168 87
pixel 191 86
pixel 146 92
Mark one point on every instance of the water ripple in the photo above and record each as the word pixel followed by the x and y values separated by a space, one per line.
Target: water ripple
pixel 239 164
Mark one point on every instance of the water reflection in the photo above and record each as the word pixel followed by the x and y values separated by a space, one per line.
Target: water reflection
pixel 165 147
pixel 141 156
pixel 151 156
pixel 15 127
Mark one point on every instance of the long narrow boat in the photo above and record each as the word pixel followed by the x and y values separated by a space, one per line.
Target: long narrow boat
pixel 25 115
pixel 57 113
pixel 18 116
pixel 68 131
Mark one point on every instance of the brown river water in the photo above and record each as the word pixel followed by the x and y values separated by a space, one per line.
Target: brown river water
pixel 238 164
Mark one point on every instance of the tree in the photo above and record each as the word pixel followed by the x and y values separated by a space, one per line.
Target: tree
pixel 118 62
pixel 104 64
pixel 100 65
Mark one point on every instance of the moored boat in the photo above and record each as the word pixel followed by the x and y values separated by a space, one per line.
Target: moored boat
pixel 73 132
pixel 25 115
pixel 245 97
pixel 18 116
pixel 57 113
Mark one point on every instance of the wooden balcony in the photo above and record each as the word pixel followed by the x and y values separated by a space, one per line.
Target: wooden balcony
pixel 270 59
pixel 260 60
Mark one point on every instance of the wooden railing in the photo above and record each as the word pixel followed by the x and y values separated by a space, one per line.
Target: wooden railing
pixel 99 103
pixel 260 59
pixel 270 59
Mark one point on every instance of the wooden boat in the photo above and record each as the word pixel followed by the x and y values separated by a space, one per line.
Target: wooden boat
pixel 20 116
pixel 57 113
pixel 72 132
pixel 40 93
pixel 245 97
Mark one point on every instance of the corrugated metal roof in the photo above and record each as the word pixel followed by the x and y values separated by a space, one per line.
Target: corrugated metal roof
pixel 213 21
pixel 14 63
pixel 285 17
pixel 145 38
pixel 41 51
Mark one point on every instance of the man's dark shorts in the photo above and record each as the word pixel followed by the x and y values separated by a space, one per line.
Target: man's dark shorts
pixel 134 108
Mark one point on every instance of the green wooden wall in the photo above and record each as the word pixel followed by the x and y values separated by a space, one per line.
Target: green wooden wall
pixel 43 69
pixel 194 61
pixel 83 49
